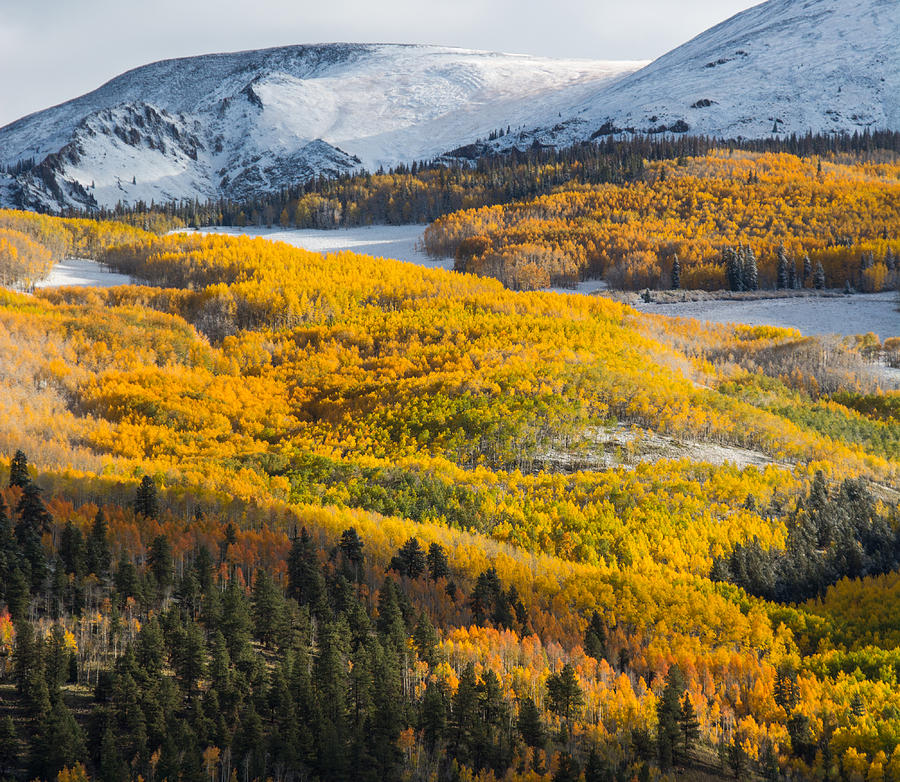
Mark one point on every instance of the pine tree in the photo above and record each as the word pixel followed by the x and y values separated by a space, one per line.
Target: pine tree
pixel 438 567
pixel 268 608
pixel 530 725
pixel 676 273
pixel 749 271
pixel 737 758
pixel 783 272
pixel 34 520
pixel 161 565
pixel 145 500
pixel 668 712
pixel 807 271
pixel 71 550
pixel 305 582
pixel 689 725
pixel 409 560
pixel 819 277
pixel 595 637
pixel 99 559
pixel 426 640
pixel 564 695
pixel 733 261
pixel 18 470
pixel 10 747
pixel 433 716
pixel 351 546
pixel 58 742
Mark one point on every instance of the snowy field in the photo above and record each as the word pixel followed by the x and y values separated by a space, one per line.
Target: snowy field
pixel 380 241
pixel 857 314
pixel 84 273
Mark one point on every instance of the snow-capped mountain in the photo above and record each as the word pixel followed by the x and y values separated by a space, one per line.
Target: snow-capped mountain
pixel 240 124
pixel 785 66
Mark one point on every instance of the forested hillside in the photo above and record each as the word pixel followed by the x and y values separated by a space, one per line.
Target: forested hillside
pixel 279 515
pixel 729 219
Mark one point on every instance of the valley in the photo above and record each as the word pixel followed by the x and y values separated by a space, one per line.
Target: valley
pixel 411 413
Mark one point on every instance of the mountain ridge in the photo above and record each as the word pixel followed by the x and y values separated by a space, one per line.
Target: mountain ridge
pixel 272 118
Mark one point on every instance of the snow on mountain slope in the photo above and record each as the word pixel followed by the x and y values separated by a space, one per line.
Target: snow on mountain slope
pixel 795 65
pixel 236 125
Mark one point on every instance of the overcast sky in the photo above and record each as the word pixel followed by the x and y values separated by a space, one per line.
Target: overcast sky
pixel 53 50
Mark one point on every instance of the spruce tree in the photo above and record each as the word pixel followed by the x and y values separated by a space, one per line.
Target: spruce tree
pixel 438 567
pixel 433 716
pixel 783 270
pixel 749 271
pixel 564 695
pixel 99 559
pixel 530 725
pixel 409 560
pixel 807 271
pixel 145 500
pixel 689 725
pixel 595 637
pixel 819 277
pixel 268 608
pixel 305 581
pixel 668 712
pixel 10 747
pixel 676 273
pixel 351 547
pixel 18 470
pixel 161 565
pixel 34 520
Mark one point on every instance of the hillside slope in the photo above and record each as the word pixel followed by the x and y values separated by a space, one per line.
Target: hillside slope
pixel 240 124
pixel 785 66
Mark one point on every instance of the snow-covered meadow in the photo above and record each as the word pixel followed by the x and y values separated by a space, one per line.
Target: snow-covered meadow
pixel 81 272
pixel 401 242
pixel 854 314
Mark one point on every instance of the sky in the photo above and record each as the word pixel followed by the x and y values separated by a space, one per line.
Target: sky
pixel 54 50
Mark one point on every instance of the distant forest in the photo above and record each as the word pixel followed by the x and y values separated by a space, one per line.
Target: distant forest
pixel 474 176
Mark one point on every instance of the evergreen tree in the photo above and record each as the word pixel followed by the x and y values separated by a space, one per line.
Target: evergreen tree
pixel 749 271
pixel 268 608
pixel 819 277
pixel 161 565
pixel 71 550
pixel 409 560
pixel 530 725
pixel 58 742
pixel 733 261
pixel 564 695
pixel 126 578
pixel 433 716
pixel 305 582
pixel 351 546
pixel 145 500
pixel 689 725
pixel 438 567
pixel 426 640
pixel 18 470
pixel 10 747
pixel 676 273
pixel 99 559
pixel 595 637
pixel 34 520
pixel 737 758
pixel 783 270
pixel 807 271
pixel 668 713
pixel 464 713
pixel 188 655
pixel 567 769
